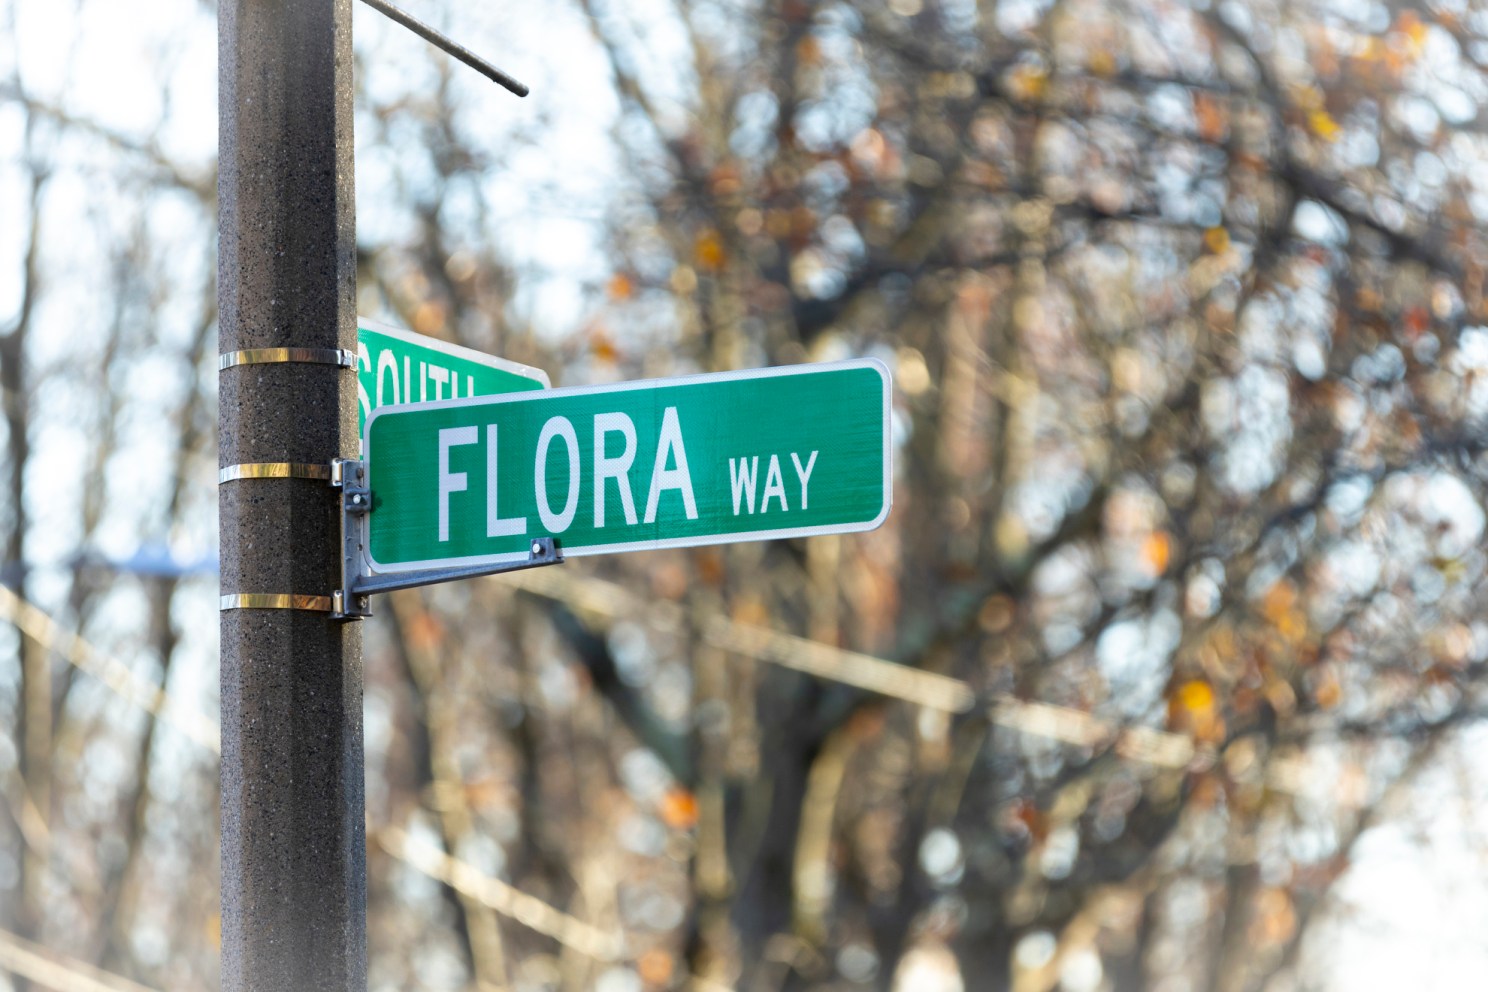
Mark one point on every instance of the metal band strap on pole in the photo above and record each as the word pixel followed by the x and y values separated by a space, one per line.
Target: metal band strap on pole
pixel 276 356
pixel 350 601
pixel 273 470
pixel 276 601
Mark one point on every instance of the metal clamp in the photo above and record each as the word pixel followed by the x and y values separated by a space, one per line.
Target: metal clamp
pixel 352 600
pixel 273 470
pixel 276 601
pixel 339 357
pixel 350 476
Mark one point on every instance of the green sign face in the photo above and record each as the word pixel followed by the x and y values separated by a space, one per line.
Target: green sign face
pixel 396 366
pixel 708 459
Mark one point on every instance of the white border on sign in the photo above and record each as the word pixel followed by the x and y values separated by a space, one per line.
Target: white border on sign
pixel 455 350
pixel 695 541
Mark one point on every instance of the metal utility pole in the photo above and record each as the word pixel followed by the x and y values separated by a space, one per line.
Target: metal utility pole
pixel 293 835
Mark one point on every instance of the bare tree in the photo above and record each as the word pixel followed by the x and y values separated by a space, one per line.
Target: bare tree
pixel 1185 309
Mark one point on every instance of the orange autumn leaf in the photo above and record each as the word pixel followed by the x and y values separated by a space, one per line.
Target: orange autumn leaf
pixel 1028 82
pixel 424 632
pixel 1217 240
pixel 708 252
pixel 620 287
pixel 1196 696
pixel 1292 626
pixel 603 349
pixel 1278 601
pixel 1275 920
pixel 1416 321
pixel 1414 29
pixel 1323 125
pixel 724 180
pixel 1031 818
pixel 1194 707
pixel 1157 551
pixel 1210 118
pixel 1328 692
pixel 679 809
pixel 711 568
pixel 1280 606
pixel 656 967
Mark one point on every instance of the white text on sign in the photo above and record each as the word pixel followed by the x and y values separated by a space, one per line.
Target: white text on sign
pixel 670 451
pixel 431 380
pixel 744 474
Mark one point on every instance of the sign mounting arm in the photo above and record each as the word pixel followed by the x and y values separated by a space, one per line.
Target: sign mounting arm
pixel 350 602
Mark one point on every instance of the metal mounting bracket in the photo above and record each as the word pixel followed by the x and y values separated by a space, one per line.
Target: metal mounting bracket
pixel 358 583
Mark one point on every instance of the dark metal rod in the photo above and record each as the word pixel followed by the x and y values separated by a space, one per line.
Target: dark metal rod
pixel 454 48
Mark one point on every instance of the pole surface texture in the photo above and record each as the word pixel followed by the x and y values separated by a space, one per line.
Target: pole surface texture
pixel 293 834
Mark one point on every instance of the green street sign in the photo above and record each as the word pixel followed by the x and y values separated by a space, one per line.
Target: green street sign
pixel 396 366
pixel 667 463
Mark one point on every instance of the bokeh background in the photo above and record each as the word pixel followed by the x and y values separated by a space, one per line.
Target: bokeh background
pixel 1184 580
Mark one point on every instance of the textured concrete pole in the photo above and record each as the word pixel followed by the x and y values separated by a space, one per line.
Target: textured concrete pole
pixel 293 844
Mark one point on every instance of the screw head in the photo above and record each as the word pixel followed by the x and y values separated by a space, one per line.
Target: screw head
pixel 357 499
pixel 537 547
